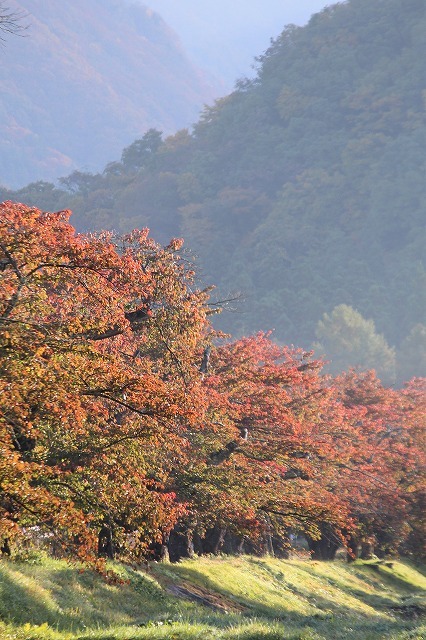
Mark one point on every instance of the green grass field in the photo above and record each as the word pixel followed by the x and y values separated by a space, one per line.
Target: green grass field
pixel 228 598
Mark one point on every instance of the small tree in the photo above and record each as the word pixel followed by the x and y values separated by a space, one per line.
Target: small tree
pixel 141 152
pixel 349 340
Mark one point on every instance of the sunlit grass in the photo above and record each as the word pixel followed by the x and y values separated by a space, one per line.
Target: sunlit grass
pixel 248 599
pixel 299 588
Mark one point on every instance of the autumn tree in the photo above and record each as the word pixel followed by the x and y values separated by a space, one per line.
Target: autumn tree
pixel 269 445
pixel 383 482
pixel 413 470
pixel 99 347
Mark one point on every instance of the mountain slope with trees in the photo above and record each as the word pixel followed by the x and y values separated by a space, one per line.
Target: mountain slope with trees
pixel 86 79
pixel 303 190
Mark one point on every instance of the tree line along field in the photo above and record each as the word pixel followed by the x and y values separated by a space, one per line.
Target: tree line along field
pixel 131 429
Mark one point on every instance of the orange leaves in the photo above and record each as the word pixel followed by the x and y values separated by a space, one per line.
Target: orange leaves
pixel 118 414
pixel 314 451
pixel 99 339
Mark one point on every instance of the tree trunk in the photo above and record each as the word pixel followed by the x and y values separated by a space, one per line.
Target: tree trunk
pixel 198 544
pixel 233 544
pixel 367 550
pixel 105 543
pixel 164 549
pixel 5 548
pixel 214 539
pixel 180 543
pixel 281 546
pixel 353 551
pixel 267 546
pixel 326 547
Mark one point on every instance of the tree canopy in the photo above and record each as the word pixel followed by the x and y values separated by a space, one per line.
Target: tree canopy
pixel 129 426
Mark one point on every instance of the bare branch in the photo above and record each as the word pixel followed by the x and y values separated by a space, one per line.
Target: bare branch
pixel 11 22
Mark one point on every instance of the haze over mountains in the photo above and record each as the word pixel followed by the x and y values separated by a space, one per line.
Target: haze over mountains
pixel 224 36
pixel 303 189
pixel 88 78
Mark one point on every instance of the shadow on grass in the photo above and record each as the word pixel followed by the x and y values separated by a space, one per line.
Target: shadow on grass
pixel 420 568
pixel 72 601
pixel 381 602
pixel 19 606
pixel 391 579
pixel 327 604
pixel 329 618
pixel 255 607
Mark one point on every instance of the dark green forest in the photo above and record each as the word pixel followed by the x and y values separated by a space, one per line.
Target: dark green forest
pixel 302 193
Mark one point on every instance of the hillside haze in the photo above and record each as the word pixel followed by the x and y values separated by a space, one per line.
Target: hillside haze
pixel 303 190
pixel 88 77
pixel 225 36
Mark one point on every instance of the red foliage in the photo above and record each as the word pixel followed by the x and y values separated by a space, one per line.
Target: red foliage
pixel 120 418
pixel 98 340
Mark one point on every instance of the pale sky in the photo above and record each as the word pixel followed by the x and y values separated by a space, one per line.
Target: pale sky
pixel 224 36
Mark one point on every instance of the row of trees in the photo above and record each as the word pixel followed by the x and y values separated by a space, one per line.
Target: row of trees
pixel 127 425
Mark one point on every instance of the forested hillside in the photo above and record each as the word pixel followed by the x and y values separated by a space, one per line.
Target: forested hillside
pixel 303 190
pixel 86 78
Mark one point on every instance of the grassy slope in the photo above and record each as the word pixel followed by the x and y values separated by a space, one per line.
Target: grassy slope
pixel 247 598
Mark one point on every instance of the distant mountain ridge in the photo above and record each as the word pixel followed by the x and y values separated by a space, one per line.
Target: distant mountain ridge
pixel 88 77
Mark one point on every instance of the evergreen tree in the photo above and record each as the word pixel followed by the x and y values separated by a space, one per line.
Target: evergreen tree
pixel 349 340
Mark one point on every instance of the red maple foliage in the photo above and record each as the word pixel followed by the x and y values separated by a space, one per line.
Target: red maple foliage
pixel 126 424
pixel 98 340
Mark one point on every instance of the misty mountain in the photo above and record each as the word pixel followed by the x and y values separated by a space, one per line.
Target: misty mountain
pixel 87 78
pixel 304 189
pixel 225 36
